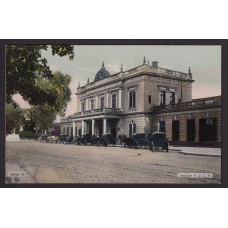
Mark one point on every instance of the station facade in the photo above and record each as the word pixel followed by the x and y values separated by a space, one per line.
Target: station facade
pixel 144 99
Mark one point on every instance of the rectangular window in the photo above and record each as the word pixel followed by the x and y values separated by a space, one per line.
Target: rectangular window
pixel 102 102
pixel 162 97
pixel 114 101
pixel 132 99
pixel 172 97
pixel 149 99
pixel 161 126
pixel 92 104
pixel 82 106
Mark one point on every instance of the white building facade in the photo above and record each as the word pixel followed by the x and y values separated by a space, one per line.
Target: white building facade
pixel 122 103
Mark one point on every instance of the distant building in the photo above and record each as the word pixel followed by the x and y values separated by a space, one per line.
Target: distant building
pixel 143 99
pixel 55 128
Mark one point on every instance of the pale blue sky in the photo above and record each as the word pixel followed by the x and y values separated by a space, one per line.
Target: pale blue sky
pixel 205 63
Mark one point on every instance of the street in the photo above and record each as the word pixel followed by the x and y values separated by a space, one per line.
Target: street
pixel 34 162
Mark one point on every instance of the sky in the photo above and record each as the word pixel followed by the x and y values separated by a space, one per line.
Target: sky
pixel 204 61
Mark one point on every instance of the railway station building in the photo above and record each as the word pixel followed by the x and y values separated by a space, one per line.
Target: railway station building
pixel 145 99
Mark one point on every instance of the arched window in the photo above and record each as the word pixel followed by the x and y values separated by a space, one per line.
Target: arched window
pixel 132 128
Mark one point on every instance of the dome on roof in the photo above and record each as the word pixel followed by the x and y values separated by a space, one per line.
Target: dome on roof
pixel 101 74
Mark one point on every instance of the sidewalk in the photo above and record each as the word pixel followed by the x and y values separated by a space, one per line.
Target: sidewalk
pixel 202 151
pixel 13 137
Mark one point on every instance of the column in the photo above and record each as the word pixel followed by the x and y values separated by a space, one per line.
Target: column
pixel 167 97
pixel 93 124
pixel 104 126
pixel 73 128
pixel 83 127
pixel 183 128
pixel 86 105
pixel 120 98
pixel 196 128
pixel 96 102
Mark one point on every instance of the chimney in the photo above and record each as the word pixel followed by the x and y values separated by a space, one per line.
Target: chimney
pixel 154 64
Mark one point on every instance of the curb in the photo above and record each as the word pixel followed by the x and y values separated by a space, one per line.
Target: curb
pixel 176 150
pixel 208 155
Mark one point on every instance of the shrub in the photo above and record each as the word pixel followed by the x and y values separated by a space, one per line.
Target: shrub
pixel 28 135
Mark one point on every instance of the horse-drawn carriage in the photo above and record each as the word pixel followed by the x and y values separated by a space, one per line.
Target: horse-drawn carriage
pixel 153 141
pixel 159 141
pixel 65 139
pixel 48 138
pixel 52 139
pixel 106 139
pixel 137 140
pixel 88 139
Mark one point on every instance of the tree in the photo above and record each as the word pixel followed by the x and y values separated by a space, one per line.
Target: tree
pixel 41 116
pixel 24 65
pixel 58 85
pixel 14 118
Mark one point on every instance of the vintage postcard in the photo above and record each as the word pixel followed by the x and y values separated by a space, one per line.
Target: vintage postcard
pixel 113 114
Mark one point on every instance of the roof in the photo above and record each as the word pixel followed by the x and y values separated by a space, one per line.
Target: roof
pixel 101 74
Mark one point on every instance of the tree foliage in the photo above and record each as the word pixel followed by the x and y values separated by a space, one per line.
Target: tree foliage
pixel 41 116
pixel 25 65
pixel 58 85
pixel 14 118
pixel 28 74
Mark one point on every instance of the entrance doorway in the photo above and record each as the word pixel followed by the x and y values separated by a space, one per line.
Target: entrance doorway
pixel 113 132
pixel 208 129
pixel 89 127
pixel 191 130
pixel 175 130
pixel 99 127
pixel 113 125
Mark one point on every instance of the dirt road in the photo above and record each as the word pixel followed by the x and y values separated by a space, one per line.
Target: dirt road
pixel 34 162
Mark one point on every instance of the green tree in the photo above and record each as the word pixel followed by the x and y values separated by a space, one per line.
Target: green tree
pixel 25 64
pixel 58 85
pixel 41 116
pixel 14 118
